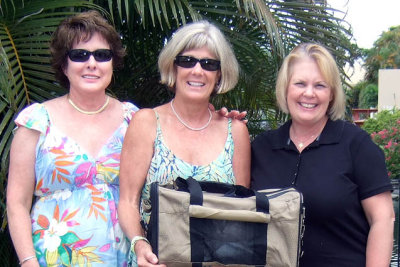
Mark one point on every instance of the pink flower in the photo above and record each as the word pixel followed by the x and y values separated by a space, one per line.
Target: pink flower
pixel 389 145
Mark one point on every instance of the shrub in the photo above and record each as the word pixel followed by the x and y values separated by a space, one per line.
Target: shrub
pixel 385 132
pixel 368 96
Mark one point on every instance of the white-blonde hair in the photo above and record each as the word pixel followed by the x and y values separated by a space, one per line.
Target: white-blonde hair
pixel 197 35
pixel 329 70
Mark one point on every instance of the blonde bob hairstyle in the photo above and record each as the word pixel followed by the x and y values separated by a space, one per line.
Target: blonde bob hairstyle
pixel 198 35
pixel 329 71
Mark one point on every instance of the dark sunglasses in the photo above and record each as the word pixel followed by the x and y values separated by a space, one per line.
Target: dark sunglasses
pixel 190 62
pixel 82 55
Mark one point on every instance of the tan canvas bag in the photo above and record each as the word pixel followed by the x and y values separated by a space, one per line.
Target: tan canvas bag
pixel 227 225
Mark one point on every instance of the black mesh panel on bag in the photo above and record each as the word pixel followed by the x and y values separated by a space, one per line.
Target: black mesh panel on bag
pixel 228 242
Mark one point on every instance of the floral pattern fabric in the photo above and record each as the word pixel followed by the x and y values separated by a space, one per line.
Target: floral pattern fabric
pixel 165 167
pixel 74 215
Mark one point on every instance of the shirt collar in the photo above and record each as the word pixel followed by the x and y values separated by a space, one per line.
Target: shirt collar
pixel 331 134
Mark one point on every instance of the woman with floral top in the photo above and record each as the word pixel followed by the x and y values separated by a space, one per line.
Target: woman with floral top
pixel 66 153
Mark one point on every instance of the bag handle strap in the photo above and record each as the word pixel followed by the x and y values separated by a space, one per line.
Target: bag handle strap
pixel 196 192
pixel 196 189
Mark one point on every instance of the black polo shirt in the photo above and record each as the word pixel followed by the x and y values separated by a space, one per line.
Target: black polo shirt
pixel 334 173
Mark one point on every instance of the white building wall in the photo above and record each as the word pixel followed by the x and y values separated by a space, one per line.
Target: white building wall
pixel 388 89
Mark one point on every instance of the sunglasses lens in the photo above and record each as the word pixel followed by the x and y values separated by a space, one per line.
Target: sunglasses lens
pixel 185 62
pixel 210 64
pixel 82 55
pixel 102 55
pixel 79 55
pixel 190 62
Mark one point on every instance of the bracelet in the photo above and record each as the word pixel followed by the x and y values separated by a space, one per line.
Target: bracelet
pixel 26 259
pixel 135 239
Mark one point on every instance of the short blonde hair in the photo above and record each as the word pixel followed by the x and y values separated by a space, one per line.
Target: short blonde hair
pixel 197 35
pixel 329 71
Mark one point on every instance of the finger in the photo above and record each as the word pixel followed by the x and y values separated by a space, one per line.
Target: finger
pixel 242 114
pixel 211 106
pixel 223 111
pixel 151 257
pixel 235 114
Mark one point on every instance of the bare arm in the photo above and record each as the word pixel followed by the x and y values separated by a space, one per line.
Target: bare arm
pixel 380 215
pixel 137 151
pixel 20 188
pixel 241 154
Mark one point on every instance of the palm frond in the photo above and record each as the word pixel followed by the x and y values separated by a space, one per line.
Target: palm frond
pixel 261 33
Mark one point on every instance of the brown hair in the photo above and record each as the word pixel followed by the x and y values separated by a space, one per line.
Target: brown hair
pixel 81 27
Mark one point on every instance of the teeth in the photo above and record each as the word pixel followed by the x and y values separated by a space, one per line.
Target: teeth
pixel 195 83
pixel 308 105
pixel 90 77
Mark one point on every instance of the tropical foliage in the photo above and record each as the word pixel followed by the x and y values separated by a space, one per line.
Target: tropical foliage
pixel 368 97
pixel 261 33
pixel 385 132
pixel 385 54
pixel 353 94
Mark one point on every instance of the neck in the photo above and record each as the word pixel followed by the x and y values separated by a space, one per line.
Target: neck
pixel 190 111
pixel 193 120
pixel 87 101
pixel 305 130
pixel 85 109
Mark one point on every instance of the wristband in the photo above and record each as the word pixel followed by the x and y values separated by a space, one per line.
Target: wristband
pixel 27 259
pixel 135 239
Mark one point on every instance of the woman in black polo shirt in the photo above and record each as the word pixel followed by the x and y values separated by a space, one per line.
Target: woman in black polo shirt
pixel 349 212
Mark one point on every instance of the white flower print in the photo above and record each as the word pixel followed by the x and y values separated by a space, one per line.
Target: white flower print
pixel 52 235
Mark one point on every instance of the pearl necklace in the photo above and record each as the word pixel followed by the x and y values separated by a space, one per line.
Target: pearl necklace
pixel 184 123
pixel 88 112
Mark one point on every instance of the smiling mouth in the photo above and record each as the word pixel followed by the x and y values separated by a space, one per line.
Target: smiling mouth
pixel 90 77
pixel 198 84
pixel 306 105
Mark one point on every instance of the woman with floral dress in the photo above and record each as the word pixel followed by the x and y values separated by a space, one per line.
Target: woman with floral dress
pixel 66 152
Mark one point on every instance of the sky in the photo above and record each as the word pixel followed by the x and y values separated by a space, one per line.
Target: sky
pixel 368 20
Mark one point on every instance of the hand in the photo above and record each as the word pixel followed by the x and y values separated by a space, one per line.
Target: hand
pixel 233 114
pixel 145 256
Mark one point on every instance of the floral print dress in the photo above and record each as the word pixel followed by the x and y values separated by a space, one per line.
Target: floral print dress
pixel 74 215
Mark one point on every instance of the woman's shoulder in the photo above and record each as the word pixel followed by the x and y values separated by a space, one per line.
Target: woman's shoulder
pixel 129 110
pixel 33 117
pixel 130 107
pixel 347 129
pixel 144 117
pixel 274 135
pixel 239 127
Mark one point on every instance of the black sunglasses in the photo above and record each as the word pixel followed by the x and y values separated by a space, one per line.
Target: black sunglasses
pixel 82 55
pixel 190 62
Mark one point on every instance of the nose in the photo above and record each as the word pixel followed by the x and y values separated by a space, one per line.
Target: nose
pixel 91 62
pixel 197 68
pixel 309 91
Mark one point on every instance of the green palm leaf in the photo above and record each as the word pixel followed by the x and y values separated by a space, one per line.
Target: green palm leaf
pixel 261 32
